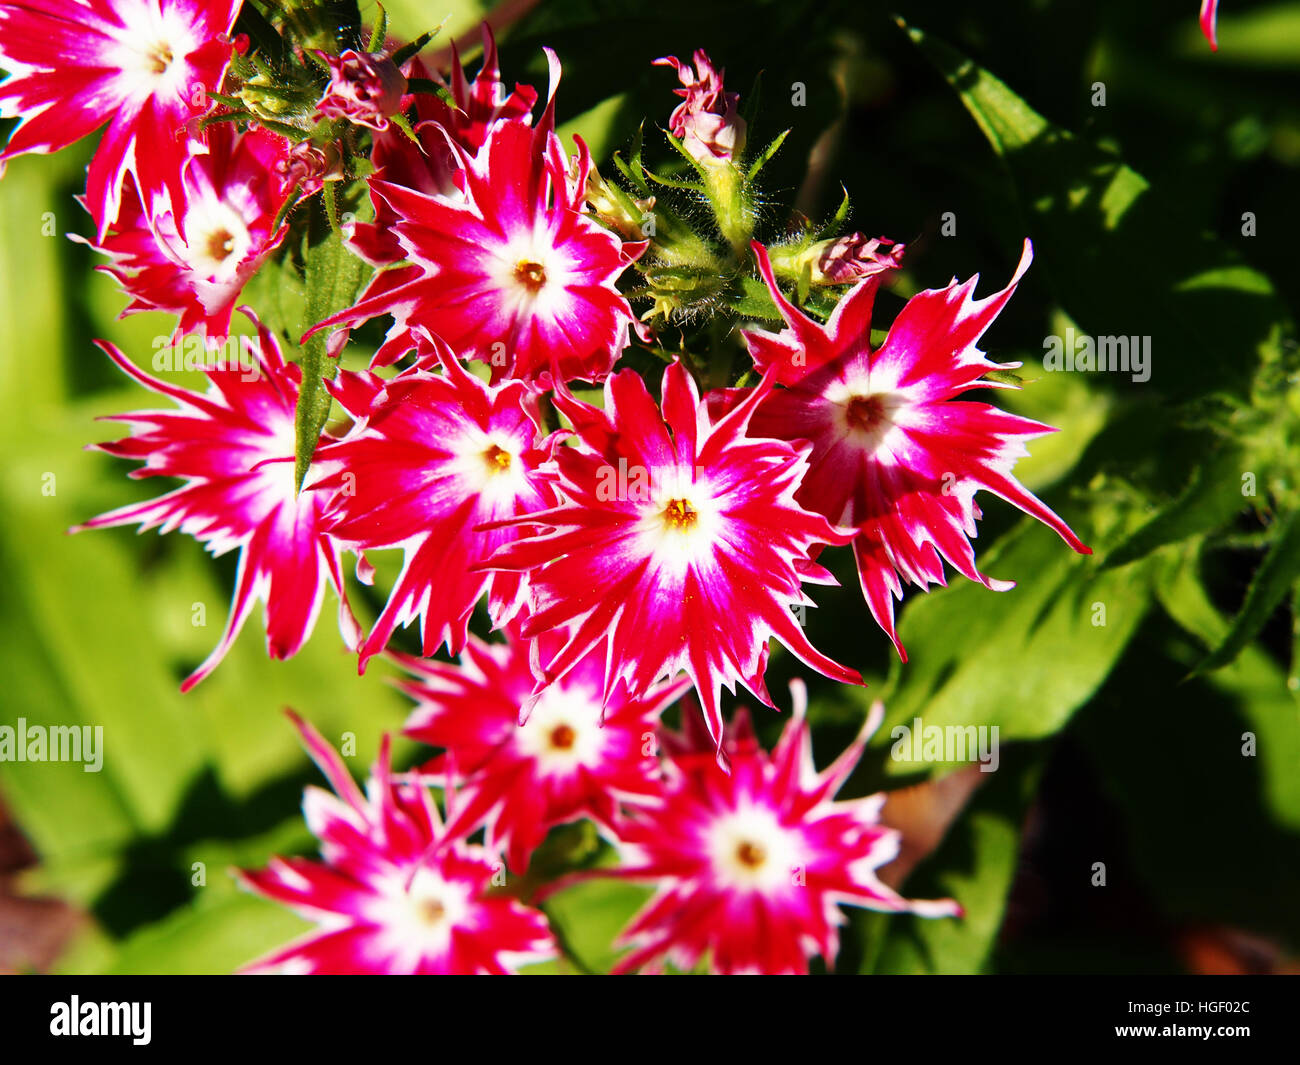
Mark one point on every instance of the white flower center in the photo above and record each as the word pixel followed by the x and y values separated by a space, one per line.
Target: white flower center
pixel 563 733
pixel 752 851
pixel 489 464
pixel 418 919
pixel 217 240
pixel 863 417
pixel 152 49
pixel 531 274
pixel 680 517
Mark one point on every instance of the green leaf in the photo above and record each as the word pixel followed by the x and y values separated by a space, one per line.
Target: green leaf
pixel 408 50
pixel 588 918
pixel 1088 212
pixel 600 127
pixel 1211 499
pixel 975 864
pixel 768 152
pixel 1024 659
pixel 333 276
pixel 755 301
pixel 1279 571
pixel 1252 680
pixel 215 936
pixel 1234 738
pixel 431 88
pixel 378 30
pixel 833 227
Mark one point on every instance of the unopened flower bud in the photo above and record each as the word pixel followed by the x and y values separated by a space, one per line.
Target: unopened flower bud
pixel 364 89
pixel 624 217
pixel 708 123
pixel 309 165
pixel 849 259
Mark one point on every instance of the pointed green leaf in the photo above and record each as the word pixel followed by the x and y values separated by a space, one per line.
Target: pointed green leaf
pixel 1210 500
pixel 768 152
pixel 333 277
pixel 1088 212
pixel 1274 578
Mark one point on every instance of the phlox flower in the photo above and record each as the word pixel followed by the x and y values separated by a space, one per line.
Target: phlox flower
pixel 677 545
pixel 233 447
pixel 142 66
pixel 510 268
pixel 896 455
pixel 432 458
pixel 396 893
pixel 708 121
pixel 570 757
pixel 751 867
pixel 233 195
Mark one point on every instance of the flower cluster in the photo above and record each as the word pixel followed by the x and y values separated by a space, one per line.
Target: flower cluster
pixel 750 864
pixel 646 540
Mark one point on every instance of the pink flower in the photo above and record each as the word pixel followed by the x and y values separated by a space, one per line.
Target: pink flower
pixel 893 456
pixel 853 258
pixel 573 757
pixel 510 270
pixel 143 66
pixel 432 459
pixel 481 104
pixel 433 167
pixel 364 89
pixel 708 123
pixel 233 446
pixel 752 866
pixel 397 893
pixel 678 545
pixel 1209 16
pixel 232 197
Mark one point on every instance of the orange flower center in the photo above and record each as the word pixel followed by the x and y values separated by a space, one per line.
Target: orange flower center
pixel 160 58
pixel 530 274
pixel 563 737
pixel 431 911
pixel 220 244
pixel 751 854
pixel 680 514
pixel 865 412
pixel 498 458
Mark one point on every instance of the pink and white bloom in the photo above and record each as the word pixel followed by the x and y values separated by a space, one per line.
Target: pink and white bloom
pixel 397 893
pixel 233 195
pixel 510 269
pixel 1209 18
pixel 434 457
pixel 233 446
pixel 894 455
pixel 364 88
pixel 433 167
pixel 571 757
pixel 481 104
pixel 708 123
pixel 677 545
pixel 752 866
pixel 142 66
